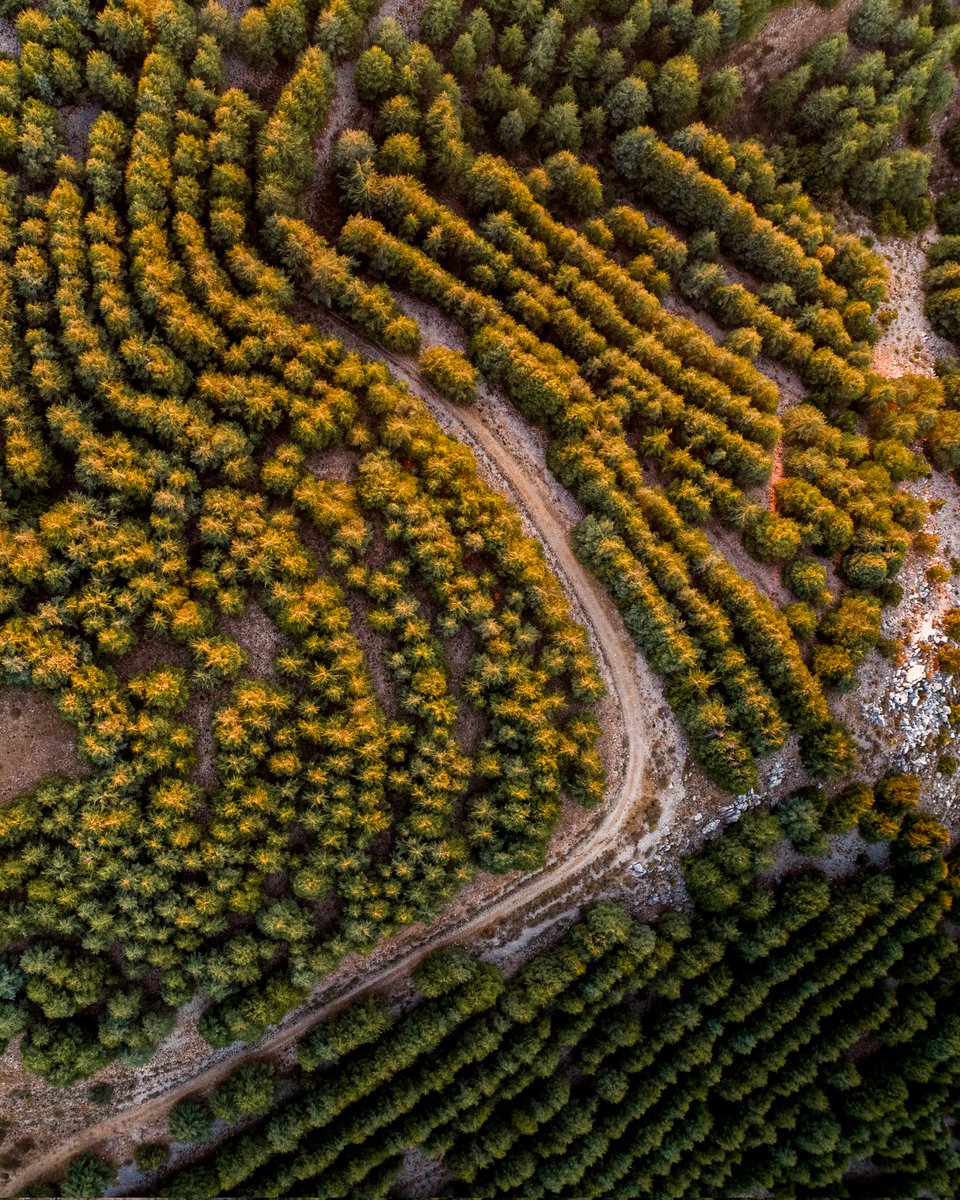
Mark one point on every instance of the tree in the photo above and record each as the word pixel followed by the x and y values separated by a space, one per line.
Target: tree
pixel 676 91
pixel 950 140
pixel 829 752
pixel 401 154
pixel 87 1175
pixel 463 57
pixel 729 14
pixel 189 1120
pixel 807 579
pixel 871 21
pixel 254 37
pixel 628 103
pixel 438 21
pixel 247 1092
pixel 511 46
pixel 825 56
pixel 339 30
pixel 801 818
pixel 511 129
pixel 288 27
pixel 359 1024
pixel 559 128
pixel 722 92
pixel 450 373
pixel 444 970
pixel 374 74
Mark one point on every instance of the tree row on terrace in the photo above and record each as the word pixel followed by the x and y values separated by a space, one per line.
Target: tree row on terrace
pixel 621 378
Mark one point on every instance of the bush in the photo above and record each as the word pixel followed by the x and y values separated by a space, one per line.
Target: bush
pixel 150 1155
pixel 101 1093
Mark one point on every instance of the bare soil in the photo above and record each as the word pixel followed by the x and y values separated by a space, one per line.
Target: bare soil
pixel 9 42
pixel 784 39
pixel 908 345
pixel 257 635
pixel 77 119
pixel 34 742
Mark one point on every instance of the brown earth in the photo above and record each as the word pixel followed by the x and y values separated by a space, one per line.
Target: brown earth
pixel 34 742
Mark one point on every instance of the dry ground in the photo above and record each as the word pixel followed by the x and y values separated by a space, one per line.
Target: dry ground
pixel 908 345
pixel 34 742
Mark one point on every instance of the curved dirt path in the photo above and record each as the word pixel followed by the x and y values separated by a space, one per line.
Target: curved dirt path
pixel 620 655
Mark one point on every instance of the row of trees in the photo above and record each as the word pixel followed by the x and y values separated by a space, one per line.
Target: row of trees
pixel 653 382
pixel 942 278
pixel 793 1025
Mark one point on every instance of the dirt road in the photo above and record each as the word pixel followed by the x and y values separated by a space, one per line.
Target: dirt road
pixel 511 477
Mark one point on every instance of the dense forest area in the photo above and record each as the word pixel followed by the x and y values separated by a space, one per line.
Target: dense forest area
pixel 798 1030
pixel 322 676
pixel 168 427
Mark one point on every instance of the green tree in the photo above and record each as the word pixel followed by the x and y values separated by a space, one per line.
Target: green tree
pixel 463 57
pixel 444 970
pixel 559 128
pixel 676 91
pixel 627 103
pixel 722 92
pixel 872 20
pixel 189 1120
pixel 248 1091
pixel 87 1175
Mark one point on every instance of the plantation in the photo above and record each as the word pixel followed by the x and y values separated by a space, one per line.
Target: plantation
pixel 167 425
pixel 659 432
pixel 375 384
pixel 796 1030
